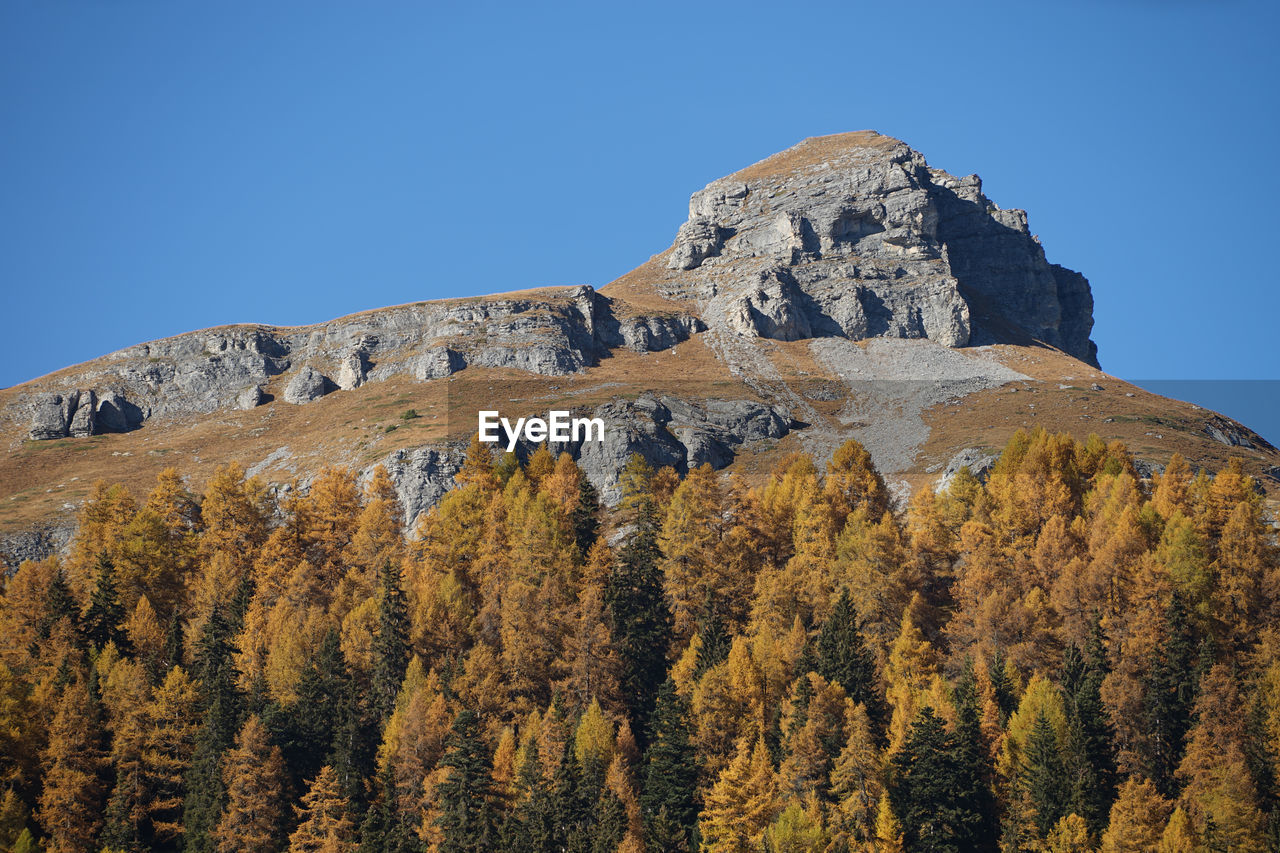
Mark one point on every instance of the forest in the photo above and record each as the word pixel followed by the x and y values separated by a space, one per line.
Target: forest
pixel 1063 658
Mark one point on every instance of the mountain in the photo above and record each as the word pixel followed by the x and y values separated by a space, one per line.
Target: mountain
pixel 841 288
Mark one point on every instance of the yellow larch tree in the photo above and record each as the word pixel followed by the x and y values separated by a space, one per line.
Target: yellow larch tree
pixel 857 778
pixel 325 824
pixel 911 671
pixel 70 805
pixel 689 541
pixel 254 775
pixel 852 481
pixel 1138 818
pixel 742 802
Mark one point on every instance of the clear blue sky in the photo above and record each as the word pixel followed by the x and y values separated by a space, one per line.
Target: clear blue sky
pixel 167 165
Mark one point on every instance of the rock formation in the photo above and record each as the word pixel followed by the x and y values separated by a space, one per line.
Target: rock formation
pixel 869 241
pixel 553 333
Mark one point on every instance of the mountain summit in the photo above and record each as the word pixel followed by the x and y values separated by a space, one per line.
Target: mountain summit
pixel 841 288
pixel 855 236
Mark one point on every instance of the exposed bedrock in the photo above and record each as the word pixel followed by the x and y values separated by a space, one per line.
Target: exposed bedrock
pixel 561 332
pixel 866 240
pixel 664 430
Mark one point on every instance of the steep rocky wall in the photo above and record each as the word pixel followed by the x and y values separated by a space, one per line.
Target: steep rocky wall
pixel 866 242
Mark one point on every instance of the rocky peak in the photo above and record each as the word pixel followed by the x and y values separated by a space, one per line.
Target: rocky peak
pixel 856 236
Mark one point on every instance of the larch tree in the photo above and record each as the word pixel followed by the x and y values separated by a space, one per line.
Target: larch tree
pixel 1137 820
pixel 852 482
pixel 70 805
pixel 857 778
pixel 913 664
pixel 234 513
pixel 742 803
pixel 254 776
pixel 1179 835
pixel 689 541
pixel 324 822
pixel 167 751
pixel 1220 794
pixel 126 693
pixel 1069 835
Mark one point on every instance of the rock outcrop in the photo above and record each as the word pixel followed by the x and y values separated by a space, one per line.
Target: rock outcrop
pixel 72 414
pixel 551 333
pixel 856 236
pixel 978 460
pixel 665 430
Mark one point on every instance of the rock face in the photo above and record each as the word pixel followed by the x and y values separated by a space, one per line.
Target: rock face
pixel 61 415
pixel 558 331
pixel 856 236
pixel 853 236
pixel 664 430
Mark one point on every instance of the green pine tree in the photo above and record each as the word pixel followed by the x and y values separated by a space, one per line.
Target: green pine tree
pixel 101 622
pixel 1088 754
pixel 223 708
pixel 391 643
pixel 927 791
pixel 384 829
pixel 312 721
pixel 586 516
pixel 466 819
pixel 974 773
pixel 669 794
pixel 610 823
pixel 1042 776
pixel 714 636
pixel 639 615
pixel 59 604
pixel 843 658
pixel 1169 700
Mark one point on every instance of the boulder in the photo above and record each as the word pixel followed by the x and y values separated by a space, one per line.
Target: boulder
pixel 307 385
pixel 978 460
pixel 250 398
pixel 83 420
pixel 51 415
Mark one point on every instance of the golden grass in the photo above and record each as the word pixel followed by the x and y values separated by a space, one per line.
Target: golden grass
pixel 813 150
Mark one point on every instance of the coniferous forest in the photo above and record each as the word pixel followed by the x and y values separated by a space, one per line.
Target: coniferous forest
pixel 1063 658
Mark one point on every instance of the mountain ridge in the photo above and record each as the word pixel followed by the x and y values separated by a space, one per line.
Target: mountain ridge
pixel 840 288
